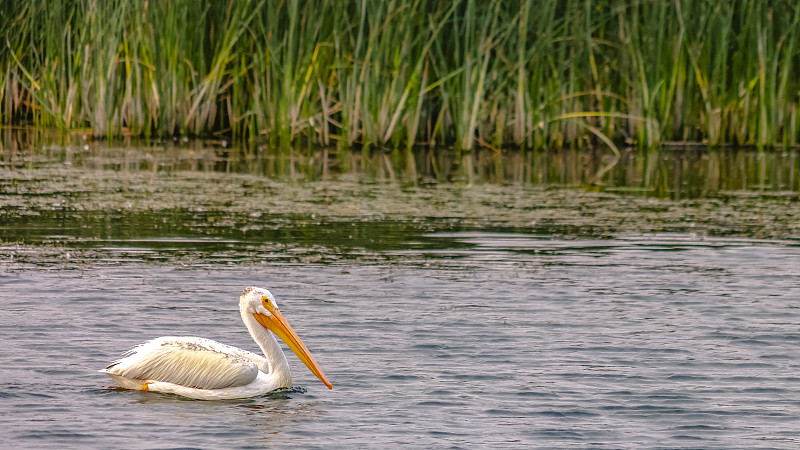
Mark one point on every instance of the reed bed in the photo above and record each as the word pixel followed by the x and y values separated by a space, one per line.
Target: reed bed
pixel 397 73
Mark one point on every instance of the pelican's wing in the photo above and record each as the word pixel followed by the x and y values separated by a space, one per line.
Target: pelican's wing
pixel 187 361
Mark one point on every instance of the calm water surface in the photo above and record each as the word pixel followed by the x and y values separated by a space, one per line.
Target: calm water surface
pixel 484 315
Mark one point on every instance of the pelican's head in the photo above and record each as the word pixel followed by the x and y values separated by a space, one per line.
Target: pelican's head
pixel 260 303
pixel 253 300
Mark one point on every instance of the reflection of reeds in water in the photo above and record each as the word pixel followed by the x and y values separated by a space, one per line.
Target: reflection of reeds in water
pixel 678 173
pixel 394 73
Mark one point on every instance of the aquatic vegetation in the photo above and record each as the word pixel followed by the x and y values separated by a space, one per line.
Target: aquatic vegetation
pixel 397 73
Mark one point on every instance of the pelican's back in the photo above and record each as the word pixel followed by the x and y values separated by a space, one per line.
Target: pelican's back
pixel 186 361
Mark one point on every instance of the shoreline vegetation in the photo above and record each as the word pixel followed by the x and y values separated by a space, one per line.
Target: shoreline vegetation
pixel 395 74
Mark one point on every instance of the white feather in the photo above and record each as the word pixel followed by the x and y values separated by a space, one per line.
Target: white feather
pixel 188 361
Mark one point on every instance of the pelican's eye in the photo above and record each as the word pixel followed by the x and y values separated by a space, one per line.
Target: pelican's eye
pixel 267 304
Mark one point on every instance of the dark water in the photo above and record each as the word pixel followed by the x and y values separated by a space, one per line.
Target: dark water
pixel 447 311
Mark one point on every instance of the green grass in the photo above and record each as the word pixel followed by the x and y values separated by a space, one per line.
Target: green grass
pixel 398 73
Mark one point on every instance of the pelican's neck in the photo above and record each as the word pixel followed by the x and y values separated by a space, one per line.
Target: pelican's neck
pixel 278 366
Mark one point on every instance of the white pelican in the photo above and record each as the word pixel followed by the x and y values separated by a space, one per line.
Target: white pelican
pixel 204 369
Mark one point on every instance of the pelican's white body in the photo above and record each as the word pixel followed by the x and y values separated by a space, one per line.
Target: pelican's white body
pixel 205 369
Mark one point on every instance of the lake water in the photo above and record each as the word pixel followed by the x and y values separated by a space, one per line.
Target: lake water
pixel 469 301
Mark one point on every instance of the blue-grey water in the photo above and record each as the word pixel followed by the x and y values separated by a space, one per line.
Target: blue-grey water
pixel 503 316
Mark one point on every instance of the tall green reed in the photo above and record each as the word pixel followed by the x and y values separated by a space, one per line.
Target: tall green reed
pixel 405 72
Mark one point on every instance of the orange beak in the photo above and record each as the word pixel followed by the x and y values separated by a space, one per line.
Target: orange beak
pixel 278 325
